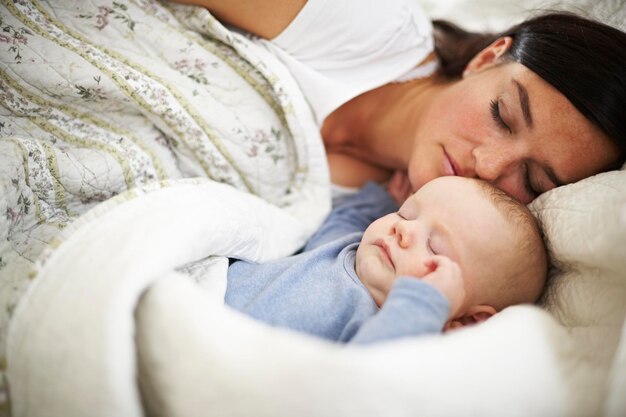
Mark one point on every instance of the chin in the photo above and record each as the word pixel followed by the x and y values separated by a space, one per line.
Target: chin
pixel 416 182
pixel 419 176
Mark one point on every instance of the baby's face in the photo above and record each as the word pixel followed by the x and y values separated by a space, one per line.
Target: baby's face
pixel 449 216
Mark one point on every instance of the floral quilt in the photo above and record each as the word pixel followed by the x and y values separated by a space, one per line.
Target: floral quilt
pixel 101 97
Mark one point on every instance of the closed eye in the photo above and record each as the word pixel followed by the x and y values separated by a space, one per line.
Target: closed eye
pixel 494 107
pixel 430 247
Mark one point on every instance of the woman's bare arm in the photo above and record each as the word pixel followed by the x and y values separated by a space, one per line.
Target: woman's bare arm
pixel 265 18
pixel 349 171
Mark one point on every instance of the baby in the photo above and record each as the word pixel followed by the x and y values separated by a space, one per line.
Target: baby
pixel 455 253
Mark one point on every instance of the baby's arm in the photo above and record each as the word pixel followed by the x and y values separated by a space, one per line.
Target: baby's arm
pixel 417 306
pixel 353 214
pixel 412 308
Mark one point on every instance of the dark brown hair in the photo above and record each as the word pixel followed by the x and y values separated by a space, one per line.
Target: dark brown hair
pixel 584 59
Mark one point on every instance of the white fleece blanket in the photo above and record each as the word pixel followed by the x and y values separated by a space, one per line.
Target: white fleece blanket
pixel 113 326
pixel 71 348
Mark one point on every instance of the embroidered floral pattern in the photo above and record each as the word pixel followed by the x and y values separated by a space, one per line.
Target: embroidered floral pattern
pixel 196 69
pixel 267 143
pixel 90 93
pixel 117 10
pixel 15 38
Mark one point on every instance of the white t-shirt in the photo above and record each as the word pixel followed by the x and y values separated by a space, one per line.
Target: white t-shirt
pixel 336 52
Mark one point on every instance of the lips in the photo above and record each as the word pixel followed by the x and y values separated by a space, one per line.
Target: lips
pixel 449 166
pixel 385 251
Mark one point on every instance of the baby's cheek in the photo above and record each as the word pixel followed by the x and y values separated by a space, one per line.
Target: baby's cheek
pixel 413 268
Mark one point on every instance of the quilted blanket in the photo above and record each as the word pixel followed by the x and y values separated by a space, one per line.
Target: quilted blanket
pixel 99 98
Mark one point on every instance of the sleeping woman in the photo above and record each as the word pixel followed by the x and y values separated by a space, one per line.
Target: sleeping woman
pixel 536 106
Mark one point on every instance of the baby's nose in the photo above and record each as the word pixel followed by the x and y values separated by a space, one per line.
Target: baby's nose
pixel 404 238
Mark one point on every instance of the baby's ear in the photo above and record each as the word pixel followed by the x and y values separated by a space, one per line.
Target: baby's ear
pixel 474 314
pixel 481 313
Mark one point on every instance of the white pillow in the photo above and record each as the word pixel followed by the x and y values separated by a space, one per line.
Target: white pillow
pixel 585 229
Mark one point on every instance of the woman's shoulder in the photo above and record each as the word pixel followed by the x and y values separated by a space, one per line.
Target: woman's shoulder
pixel 338 49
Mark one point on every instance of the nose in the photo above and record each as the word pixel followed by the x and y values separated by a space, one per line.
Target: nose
pixel 501 165
pixel 492 162
pixel 402 232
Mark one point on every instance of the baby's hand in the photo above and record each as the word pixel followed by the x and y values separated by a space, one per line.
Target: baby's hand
pixel 445 275
pixel 399 187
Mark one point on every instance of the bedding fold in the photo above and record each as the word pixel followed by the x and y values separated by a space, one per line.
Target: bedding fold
pixel 81 304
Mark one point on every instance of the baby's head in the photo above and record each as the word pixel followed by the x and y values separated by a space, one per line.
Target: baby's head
pixel 494 239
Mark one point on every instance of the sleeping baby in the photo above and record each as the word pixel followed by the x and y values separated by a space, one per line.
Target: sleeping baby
pixel 456 252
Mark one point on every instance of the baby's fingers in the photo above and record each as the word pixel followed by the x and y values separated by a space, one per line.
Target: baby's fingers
pixel 445 276
pixel 438 262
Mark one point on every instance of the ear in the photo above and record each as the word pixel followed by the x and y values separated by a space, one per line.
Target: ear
pixel 475 314
pixel 489 56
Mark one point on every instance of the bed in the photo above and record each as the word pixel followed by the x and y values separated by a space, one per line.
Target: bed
pixel 143 143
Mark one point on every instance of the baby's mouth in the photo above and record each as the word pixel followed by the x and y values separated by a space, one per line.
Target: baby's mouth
pixel 385 251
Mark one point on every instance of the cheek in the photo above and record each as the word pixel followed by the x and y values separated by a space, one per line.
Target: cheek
pixel 463 116
pixel 464 108
pixel 426 161
pixel 412 265
pixel 377 229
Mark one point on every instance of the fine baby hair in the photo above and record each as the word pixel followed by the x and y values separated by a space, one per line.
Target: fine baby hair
pixel 529 262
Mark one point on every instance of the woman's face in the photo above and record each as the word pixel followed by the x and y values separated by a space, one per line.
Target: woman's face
pixel 506 125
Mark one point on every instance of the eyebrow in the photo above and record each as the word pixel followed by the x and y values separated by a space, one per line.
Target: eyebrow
pixel 524 103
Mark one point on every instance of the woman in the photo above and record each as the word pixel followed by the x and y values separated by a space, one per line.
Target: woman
pixel 529 109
